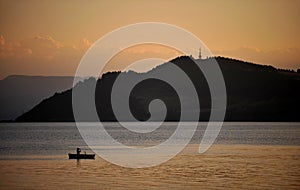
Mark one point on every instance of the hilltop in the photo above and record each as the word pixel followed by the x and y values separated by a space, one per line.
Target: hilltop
pixel 254 93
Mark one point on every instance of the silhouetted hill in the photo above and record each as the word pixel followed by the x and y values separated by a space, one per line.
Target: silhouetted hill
pixel 254 93
pixel 20 93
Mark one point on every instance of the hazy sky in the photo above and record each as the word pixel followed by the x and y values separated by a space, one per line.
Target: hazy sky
pixel 50 37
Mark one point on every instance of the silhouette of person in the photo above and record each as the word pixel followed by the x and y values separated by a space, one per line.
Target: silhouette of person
pixel 78 150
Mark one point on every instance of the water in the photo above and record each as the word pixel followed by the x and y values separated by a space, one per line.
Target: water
pixel 244 156
pixel 61 138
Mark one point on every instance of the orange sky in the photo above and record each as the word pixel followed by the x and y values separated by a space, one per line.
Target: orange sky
pixel 49 37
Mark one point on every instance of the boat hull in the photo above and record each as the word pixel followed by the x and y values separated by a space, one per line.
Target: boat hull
pixel 81 156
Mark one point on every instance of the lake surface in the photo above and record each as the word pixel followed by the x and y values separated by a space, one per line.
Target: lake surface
pixel 244 156
pixel 61 138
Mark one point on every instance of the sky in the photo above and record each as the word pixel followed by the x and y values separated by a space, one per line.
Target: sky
pixel 50 37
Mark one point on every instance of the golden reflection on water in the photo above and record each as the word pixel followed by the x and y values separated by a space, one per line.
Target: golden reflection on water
pixel 222 167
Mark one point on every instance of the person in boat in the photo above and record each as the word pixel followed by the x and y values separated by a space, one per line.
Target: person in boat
pixel 78 150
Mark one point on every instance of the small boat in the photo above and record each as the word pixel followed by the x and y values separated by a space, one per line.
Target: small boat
pixel 81 156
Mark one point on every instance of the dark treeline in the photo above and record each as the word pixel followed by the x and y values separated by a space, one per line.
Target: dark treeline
pixel 254 93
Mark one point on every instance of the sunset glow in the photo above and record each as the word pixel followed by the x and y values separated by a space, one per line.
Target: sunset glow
pixel 50 37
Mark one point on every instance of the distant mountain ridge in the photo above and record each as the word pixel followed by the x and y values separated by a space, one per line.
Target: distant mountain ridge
pixel 20 93
pixel 254 93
